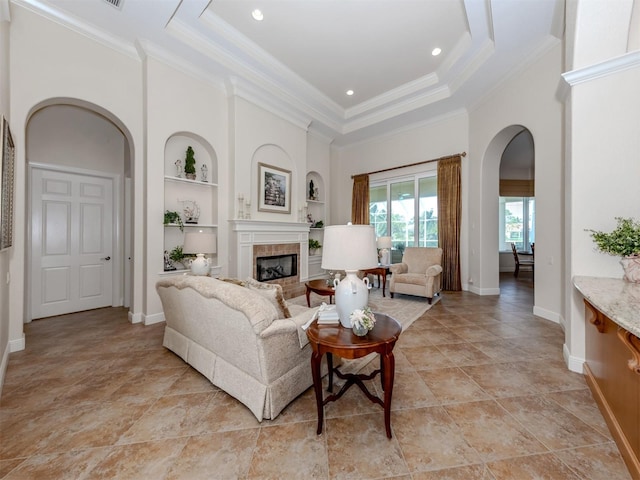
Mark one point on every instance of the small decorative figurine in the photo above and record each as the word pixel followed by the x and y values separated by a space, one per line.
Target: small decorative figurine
pixel 204 171
pixel 312 191
pixel 179 168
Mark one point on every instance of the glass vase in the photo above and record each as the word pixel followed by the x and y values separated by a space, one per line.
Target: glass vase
pixel 359 330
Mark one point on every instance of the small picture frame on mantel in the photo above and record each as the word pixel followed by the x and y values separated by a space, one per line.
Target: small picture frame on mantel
pixel 274 189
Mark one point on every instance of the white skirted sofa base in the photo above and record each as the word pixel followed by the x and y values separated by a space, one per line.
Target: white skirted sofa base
pixel 237 338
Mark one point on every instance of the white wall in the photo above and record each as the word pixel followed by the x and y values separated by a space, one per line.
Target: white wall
pixel 5 255
pixel 431 140
pixel 66 66
pixel 603 145
pixel 528 99
pixel 75 137
pixel 177 102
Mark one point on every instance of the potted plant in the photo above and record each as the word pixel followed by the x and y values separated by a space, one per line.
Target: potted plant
pixel 173 218
pixel 314 245
pixel 623 241
pixel 190 164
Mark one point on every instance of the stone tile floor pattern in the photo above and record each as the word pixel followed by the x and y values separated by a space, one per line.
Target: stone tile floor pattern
pixel 481 392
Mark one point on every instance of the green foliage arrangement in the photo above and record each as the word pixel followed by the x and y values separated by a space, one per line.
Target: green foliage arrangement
pixel 173 217
pixel 190 161
pixel 314 244
pixel 176 254
pixel 622 242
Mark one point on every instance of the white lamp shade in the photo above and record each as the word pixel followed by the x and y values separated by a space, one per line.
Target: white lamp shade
pixel 200 242
pixel 384 242
pixel 349 247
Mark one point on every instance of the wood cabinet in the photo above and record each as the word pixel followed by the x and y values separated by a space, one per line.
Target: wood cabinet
pixel 612 369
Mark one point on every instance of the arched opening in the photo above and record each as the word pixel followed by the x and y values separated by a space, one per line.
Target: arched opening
pixel 513 145
pixel 79 236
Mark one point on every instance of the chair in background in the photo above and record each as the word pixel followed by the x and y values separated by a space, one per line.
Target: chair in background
pixel 521 262
pixel 420 273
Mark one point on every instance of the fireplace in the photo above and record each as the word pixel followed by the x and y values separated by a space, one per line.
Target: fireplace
pixel 276 267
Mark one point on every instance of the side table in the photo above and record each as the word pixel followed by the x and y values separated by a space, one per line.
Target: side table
pixel 341 341
pixel 320 287
pixel 380 271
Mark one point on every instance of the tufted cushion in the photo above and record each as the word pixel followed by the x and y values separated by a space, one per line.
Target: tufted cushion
pixel 272 292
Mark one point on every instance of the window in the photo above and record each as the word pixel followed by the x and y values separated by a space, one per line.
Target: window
pixel 517 223
pixel 394 206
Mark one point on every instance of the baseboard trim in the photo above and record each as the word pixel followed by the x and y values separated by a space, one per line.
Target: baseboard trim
pixel 3 366
pixel 546 314
pixel 135 317
pixel 17 345
pixel 484 291
pixel 575 364
pixel 153 318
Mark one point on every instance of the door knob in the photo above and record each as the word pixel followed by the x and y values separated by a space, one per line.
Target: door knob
pixel 106 258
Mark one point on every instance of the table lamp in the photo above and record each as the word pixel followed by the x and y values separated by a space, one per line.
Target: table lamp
pixel 200 243
pixel 350 248
pixel 384 244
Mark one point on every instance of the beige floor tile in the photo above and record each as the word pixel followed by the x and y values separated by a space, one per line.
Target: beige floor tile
pixel 425 357
pixel 599 462
pixel 452 385
pixel 492 431
pixel 469 472
pixel 464 354
pixel 358 448
pixel 581 403
pixel 75 464
pixel 502 379
pixel 216 455
pixel 533 467
pixel 431 440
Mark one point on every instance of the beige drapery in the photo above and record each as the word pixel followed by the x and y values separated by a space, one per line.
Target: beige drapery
pixel 360 200
pixel 449 213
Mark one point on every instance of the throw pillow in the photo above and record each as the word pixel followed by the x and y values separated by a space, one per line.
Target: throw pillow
pixel 272 292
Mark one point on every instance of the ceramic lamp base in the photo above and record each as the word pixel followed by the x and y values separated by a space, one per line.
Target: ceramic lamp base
pixel 200 266
pixel 351 294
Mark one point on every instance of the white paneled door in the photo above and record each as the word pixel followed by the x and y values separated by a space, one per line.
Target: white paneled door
pixel 72 237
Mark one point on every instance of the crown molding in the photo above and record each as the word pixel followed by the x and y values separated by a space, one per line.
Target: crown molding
pixel 151 50
pixel 237 88
pixel 628 61
pixel 80 27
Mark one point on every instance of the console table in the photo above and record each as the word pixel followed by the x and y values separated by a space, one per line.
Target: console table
pixel 612 367
pixel 341 341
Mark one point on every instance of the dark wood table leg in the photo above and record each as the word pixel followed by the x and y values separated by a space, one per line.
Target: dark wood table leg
pixel 316 360
pixel 330 367
pixel 384 282
pixel 389 371
pixel 308 294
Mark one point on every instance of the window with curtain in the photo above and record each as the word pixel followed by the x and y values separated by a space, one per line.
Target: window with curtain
pixel 517 223
pixel 405 209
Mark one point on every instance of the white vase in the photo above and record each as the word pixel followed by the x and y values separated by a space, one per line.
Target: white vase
pixel 631 266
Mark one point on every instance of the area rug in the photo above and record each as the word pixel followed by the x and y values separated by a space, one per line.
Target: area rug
pixel 406 309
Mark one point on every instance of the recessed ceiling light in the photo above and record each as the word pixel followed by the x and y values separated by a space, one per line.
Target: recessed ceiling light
pixel 350 92
pixel 436 51
pixel 257 15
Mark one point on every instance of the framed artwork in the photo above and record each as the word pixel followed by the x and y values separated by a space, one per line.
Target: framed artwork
pixel 6 187
pixel 274 189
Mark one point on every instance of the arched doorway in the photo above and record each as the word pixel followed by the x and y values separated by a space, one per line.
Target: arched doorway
pixel 79 233
pixel 512 141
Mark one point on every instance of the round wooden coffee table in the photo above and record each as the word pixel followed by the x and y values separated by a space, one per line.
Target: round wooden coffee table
pixel 341 341
pixel 321 288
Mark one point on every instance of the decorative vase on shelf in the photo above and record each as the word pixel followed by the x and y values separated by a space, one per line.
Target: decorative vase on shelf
pixel 631 266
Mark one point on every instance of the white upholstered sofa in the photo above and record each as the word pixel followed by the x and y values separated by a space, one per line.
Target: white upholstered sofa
pixel 238 338
pixel 420 273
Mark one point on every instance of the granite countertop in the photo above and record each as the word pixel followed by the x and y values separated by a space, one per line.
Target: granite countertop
pixel 616 298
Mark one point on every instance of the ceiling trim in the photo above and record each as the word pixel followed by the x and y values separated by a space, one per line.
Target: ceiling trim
pixel 619 64
pixel 80 27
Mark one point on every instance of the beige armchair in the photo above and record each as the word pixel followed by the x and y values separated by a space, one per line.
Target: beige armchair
pixel 420 273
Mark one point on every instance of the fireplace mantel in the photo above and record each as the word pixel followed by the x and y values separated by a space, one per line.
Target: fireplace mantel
pixel 247 233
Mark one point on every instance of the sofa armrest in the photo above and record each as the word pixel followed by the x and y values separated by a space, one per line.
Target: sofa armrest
pixel 399 268
pixel 288 325
pixel 434 270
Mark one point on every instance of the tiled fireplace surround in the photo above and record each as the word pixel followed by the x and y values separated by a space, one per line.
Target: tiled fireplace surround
pixel 255 238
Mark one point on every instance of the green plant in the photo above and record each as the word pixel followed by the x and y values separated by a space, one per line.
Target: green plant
pixel 623 241
pixel 190 161
pixel 173 217
pixel 318 224
pixel 314 244
pixel 176 254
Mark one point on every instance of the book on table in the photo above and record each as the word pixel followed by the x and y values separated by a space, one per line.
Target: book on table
pixel 328 315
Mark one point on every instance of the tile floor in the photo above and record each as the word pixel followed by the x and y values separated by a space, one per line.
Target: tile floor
pixel 481 392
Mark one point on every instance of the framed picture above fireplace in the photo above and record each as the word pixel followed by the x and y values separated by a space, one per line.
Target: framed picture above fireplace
pixel 274 189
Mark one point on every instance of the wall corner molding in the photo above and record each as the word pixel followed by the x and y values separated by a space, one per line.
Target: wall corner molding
pixel 607 68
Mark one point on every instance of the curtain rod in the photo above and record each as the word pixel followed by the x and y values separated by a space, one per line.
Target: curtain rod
pixel 463 154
